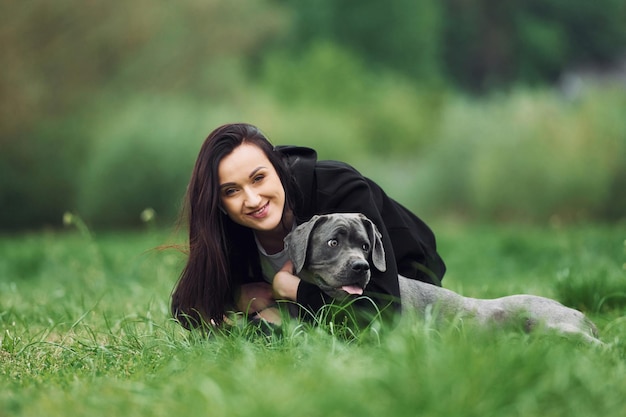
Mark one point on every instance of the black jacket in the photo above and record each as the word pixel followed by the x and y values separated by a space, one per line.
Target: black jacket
pixel 331 186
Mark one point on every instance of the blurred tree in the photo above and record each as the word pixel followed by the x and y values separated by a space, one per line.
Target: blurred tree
pixel 56 54
pixel 489 43
pixel 67 65
pixel 62 61
pixel 37 178
pixel 401 34
pixel 474 44
pixel 477 49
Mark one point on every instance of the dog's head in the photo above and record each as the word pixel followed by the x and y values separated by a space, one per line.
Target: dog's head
pixel 333 251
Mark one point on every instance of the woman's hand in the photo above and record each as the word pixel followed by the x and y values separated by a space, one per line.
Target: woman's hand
pixel 285 284
pixel 255 296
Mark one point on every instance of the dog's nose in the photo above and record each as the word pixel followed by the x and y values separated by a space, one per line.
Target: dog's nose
pixel 360 267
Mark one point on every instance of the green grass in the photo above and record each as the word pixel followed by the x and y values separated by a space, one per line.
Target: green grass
pixel 85 331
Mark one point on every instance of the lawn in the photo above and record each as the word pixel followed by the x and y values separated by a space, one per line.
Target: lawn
pixel 85 331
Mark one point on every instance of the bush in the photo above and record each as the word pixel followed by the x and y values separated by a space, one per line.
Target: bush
pixel 529 156
pixel 381 113
pixel 141 160
pixel 475 45
pixel 62 63
pixel 38 173
pixel 402 35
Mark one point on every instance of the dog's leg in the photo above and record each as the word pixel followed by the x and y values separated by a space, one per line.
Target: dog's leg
pixel 550 314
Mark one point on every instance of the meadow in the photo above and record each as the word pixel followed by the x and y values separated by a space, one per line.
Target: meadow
pixel 86 331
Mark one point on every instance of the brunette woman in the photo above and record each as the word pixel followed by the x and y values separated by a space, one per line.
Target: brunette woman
pixel 246 195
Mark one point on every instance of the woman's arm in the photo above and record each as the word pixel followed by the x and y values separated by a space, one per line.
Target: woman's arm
pixel 288 286
pixel 257 300
pixel 285 284
pixel 254 297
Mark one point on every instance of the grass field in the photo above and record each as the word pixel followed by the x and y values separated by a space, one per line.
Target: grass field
pixel 85 331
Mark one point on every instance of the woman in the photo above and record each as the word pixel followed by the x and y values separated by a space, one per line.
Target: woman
pixel 245 196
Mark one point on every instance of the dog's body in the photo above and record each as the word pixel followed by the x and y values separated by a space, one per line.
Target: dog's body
pixel 332 251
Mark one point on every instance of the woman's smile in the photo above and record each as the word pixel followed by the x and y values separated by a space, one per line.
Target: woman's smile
pixel 260 213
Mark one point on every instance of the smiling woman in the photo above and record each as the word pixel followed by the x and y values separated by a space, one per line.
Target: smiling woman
pixel 246 195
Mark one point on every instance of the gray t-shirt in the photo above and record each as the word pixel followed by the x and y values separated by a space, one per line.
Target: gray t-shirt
pixel 271 264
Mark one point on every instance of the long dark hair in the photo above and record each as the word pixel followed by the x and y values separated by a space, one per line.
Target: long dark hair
pixel 221 252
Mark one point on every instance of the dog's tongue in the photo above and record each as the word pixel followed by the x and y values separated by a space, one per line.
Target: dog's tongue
pixel 352 289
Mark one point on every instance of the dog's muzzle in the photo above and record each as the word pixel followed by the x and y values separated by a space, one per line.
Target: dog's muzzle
pixel 358 277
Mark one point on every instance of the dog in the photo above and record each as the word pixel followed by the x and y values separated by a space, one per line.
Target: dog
pixel 333 251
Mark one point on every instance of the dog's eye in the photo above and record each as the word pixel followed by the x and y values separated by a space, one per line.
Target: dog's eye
pixel 365 247
pixel 332 243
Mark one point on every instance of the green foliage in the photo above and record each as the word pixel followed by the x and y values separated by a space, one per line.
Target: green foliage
pixel 474 45
pixel 103 108
pixel 321 74
pixel 489 45
pixel 385 114
pixel 399 34
pixel 38 172
pixel 67 68
pixel 58 55
pixel 141 161
pixel 86 331
pixel 529 155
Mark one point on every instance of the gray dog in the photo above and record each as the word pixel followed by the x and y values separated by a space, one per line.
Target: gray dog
pixel 332 252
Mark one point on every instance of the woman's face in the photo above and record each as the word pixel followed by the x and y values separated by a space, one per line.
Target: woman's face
pixel 250 189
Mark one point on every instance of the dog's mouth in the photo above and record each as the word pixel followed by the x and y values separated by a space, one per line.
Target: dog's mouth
pixel 352 289
pixel 337 288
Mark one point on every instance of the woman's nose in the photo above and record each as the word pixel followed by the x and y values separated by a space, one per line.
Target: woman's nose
pixel 253 199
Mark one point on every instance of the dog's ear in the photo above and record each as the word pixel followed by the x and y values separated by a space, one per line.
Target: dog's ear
pixel 297 242
pixel 378 252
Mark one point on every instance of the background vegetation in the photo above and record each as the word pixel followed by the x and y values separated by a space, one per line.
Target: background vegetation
pixel 486 111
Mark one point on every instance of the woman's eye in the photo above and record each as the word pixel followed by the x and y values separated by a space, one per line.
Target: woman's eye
pixel 229 192
pixel 366 247
pixel 258 178
pixel 333 242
